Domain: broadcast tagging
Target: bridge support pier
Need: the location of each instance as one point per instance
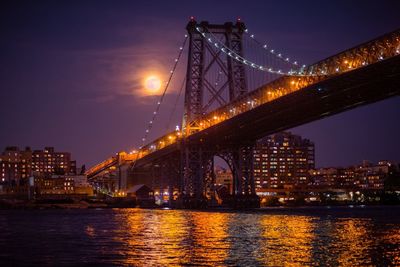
(198, 190)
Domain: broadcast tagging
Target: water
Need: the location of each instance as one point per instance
(134, 237)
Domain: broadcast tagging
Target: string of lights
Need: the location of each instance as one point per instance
(221, 46)
(273, 51)
(167, 83)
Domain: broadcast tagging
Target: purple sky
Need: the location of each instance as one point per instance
(71, 71)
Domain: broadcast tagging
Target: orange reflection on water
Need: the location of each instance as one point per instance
(155, 237)
(353, 242)
(392, 240)
(208, 238)
(287, 240)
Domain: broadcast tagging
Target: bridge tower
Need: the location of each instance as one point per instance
(203, 94)
(201, 60)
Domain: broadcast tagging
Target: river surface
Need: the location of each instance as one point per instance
(346, 236)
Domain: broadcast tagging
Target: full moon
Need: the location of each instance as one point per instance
(153, 84)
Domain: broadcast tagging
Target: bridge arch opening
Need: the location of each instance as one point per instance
(223, 178)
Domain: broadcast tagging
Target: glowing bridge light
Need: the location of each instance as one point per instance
(252, 36)
(265, 46)
(272, 51)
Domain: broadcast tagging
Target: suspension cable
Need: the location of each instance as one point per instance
(176, 103)
(221, 46)
(167, 83)
(273, 51)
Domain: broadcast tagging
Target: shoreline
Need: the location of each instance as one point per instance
(27, 205)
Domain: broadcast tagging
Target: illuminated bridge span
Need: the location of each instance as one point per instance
(223, 118)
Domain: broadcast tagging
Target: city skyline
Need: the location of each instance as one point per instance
(73, 77)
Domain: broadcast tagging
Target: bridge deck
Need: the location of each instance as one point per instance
(358, 76)
(333, 95)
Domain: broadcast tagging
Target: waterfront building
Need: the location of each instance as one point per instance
(16, 165)
(223, 177)
(365, 176)
(62, 184)
(283, 160)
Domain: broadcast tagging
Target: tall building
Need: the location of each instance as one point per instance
(283, 160)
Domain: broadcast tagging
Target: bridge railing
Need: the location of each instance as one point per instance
(102, 165)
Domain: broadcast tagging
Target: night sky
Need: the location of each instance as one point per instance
(71, 71)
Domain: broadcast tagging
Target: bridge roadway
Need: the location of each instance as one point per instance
(339, 93)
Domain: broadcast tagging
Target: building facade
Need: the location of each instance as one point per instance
(283, 160)
(47, 162)
(16, 165)
(366, 176)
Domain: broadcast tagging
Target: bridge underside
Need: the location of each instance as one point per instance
(337, 94)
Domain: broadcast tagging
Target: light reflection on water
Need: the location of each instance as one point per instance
(135, 237)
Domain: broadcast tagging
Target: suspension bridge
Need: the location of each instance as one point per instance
(238, 90)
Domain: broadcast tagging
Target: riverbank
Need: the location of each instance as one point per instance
(82, 204)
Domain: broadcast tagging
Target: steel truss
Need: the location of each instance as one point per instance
(197, 160)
